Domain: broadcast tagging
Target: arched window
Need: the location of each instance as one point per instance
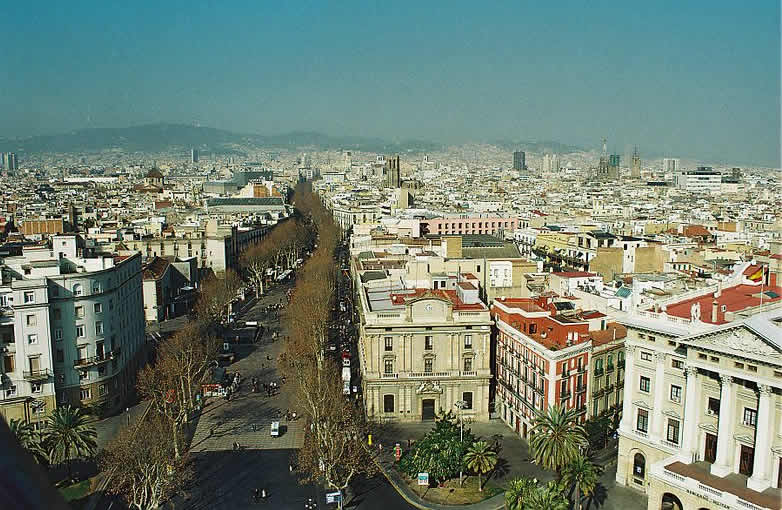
(77, 289)
(639, 465)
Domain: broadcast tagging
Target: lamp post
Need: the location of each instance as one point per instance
(460, 405)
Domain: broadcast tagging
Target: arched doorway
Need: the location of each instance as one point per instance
(639, 468)
(671, 502)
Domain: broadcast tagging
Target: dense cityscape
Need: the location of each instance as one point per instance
(411, 256)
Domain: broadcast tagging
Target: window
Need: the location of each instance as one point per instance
(388, 403)
(96, 288)
(58, 334)
(79, 310)
(651, 338)
(103, 390)
(673, 431)
(676, 393)
(467, 397)
(32, 339)
(643, 420)
(713, 407)
(31, 320)
(80, 331)
(99, 328)
(9, 364)
(29, 297)
(389, 343)
(750, 417)
(388, 367)
(428, 365)
(57, 314)
(428, 344)
(101, 370)
(98, 307)
(645, 385)
(468, 364)
(60, 356)
(646, 356)
(533, 328)
(36, 387)
(677, 363)
(85, 393)
(10, 391)
(78, 290)
(468, 341)
(752, 368)
(714, 359)
(701, 356)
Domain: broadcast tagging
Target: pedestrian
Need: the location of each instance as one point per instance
(290, 468)
(263, 493)
(256, 495)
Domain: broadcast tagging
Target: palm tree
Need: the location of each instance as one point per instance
(518, 492)
(69, 435)
(582, 475)
(549, 497)
(557, 439)
(30, 439)
(481, 459)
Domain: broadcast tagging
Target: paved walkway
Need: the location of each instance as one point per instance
(247, 417)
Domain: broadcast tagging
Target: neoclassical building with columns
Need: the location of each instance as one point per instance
(702, 413)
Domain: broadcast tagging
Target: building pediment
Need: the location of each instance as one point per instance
(737, 341)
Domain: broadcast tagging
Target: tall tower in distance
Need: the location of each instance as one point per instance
(635, 168)
(603, 173)
(519, 161)
(194, 155)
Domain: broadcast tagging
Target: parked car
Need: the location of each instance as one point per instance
(275, 429)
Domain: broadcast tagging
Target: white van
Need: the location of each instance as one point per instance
(275, 429)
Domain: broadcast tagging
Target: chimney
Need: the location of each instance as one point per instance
(714, 306)
(718, 292)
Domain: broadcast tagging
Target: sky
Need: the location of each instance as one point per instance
(694, 79)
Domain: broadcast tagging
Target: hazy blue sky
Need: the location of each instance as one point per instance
(684, 78)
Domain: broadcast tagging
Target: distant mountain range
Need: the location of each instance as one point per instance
(163, 137)
(539, 147)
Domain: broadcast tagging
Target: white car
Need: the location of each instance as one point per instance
(275, 429)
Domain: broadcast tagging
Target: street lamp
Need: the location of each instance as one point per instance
(461, 405)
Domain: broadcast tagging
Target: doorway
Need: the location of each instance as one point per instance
(746, 460)
(427, 409)
(710, 453)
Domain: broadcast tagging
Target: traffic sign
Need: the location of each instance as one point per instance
(423, 479)
(333, 497)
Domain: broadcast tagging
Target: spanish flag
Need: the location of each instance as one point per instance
(757, 275)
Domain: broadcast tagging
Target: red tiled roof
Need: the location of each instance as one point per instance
(735, 299)
(696, 231)
(574, 274)
(592, 314)
(450, 295)
(613, 331)
(155, 269)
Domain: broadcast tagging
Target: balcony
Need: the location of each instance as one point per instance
(429, 375)
(726, 492)
(581, 369)
(96, 360)
(598, 393)
(581, 410)
(609, 369)
(565, 374)
(581, 388)
(389, 375)
(469, 373)
(598, 372)
(37, 375)
(565, 395)
(620, 383)
(620, 363)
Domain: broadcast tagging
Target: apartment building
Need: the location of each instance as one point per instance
(543, 358)
(702, 418)
(72, 330)
(423, 350)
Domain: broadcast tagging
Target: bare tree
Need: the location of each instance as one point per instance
(144, 470)
(215, 297)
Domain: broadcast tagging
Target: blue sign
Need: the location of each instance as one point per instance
(333, 497)
(423, 479)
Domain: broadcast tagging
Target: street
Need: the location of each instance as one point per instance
(226, 478)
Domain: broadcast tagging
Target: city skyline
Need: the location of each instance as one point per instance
(683, 81)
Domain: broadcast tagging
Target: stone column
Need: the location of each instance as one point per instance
(691, 402)
(659, 389)
(723, 465)
(761, 469)
(630, 385)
